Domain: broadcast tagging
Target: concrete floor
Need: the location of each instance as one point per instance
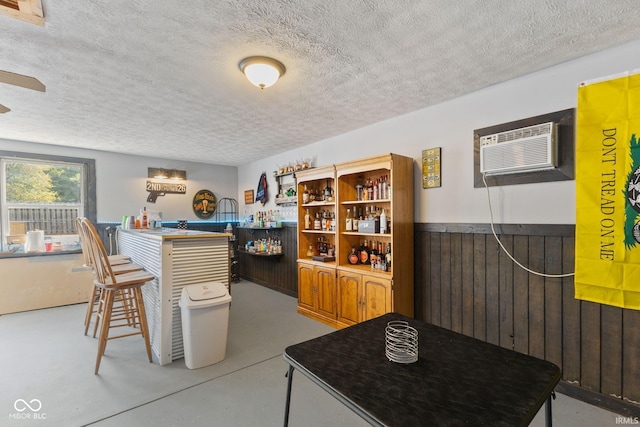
(45, 356)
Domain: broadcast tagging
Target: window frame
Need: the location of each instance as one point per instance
(88, 190)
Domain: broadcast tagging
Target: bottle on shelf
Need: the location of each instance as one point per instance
(355, 220)
(328, 194)
(364, 253)
(305, 195)
(307, 220)
(317, 223)
(373, 255)
(385, 187)
(388, 257)
(349, 221)
(359, 188)
(353, 258)
(383, 222)
(323, 221)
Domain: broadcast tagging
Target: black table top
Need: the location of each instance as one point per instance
(457, 380)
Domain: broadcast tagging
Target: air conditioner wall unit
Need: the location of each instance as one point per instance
(527, 149)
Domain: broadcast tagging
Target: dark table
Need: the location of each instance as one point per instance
(457, 380)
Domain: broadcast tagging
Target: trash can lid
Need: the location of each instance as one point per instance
(206, 291)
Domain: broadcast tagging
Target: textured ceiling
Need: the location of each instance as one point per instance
(161, 78)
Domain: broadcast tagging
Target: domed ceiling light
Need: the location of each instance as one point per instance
(262, 71)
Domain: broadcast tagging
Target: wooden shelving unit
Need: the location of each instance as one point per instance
(341, 294)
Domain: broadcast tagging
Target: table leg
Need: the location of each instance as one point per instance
(286, 408)
(547, 417)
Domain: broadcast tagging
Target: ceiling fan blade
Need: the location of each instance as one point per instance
(22, 81)
(4, 109)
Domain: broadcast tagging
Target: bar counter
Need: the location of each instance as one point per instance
(176, 258)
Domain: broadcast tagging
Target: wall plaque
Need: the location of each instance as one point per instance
(204, 204)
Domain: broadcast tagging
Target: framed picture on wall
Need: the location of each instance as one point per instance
(248, 197)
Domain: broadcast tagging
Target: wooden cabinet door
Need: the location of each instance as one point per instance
(349, 298)
(377, 296)
(325, 279)
(306, 293)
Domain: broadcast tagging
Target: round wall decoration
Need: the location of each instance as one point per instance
(204, 204)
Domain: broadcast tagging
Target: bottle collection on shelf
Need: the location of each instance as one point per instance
(374, 220)
(322, 221)
(265, 219)
(378, 189)
(322, 247)
(378, 257)
(264, 246)
(322, 195)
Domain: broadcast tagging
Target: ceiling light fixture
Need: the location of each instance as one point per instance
(262, 71)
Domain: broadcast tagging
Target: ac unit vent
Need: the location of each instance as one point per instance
(527, 149)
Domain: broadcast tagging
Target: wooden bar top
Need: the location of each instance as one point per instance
(174, 233)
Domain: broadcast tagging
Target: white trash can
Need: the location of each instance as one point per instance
(205, 320)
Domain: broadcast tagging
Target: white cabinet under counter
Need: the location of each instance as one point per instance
(176, 258)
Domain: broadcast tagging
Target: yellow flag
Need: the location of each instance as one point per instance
(608, 192)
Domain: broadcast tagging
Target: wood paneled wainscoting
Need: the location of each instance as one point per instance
(466, 283)
(279, 273)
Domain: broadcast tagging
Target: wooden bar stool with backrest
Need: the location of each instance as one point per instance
(109, 284)
(119, 264)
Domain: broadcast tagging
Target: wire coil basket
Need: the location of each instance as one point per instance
(401, 342)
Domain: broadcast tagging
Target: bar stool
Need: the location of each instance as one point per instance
(120, 264)
(129, 285)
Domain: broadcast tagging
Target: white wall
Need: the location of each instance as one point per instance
(450, 125)
(121, 181)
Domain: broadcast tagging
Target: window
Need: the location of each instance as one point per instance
(41, 197)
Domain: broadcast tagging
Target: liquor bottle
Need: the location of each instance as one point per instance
(317, 224)
(305, 195)
(383, 222)
(352, 258)
(349, 221)
(364, 253)
(328, 197)
(145, 218)
(388, 257)
(307, 220)
(370, 189)
(385, 192)
(329, 222)
(375, 190)
(373, 255)
(323, 223)
(355, 220)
